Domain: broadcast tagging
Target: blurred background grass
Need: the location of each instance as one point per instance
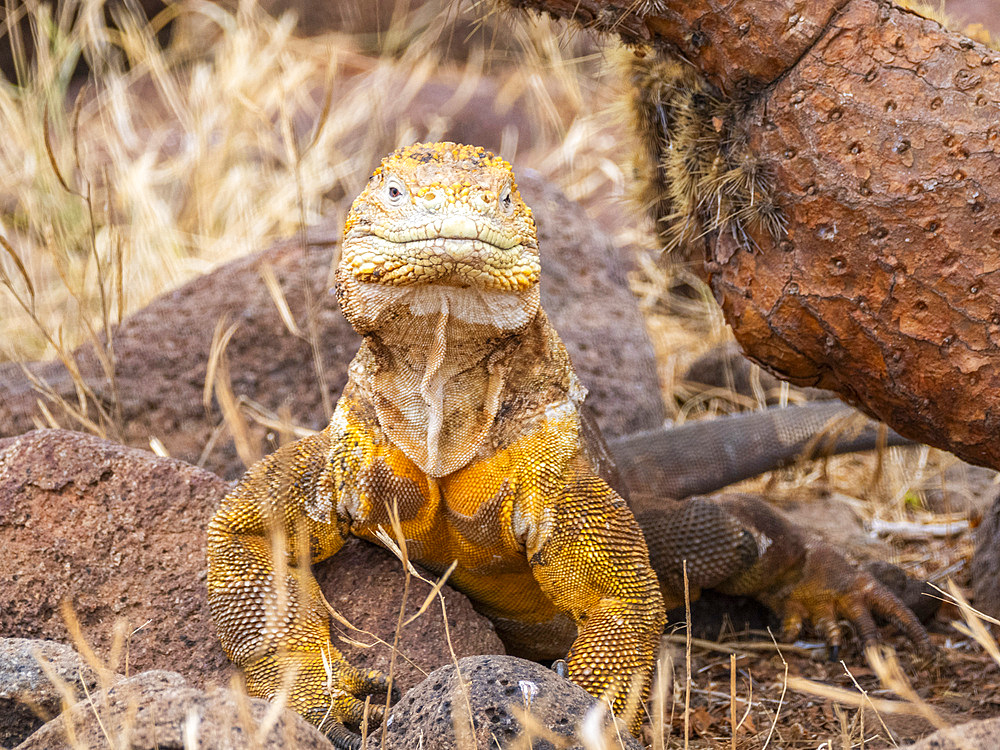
(137, 155)
(162, 162)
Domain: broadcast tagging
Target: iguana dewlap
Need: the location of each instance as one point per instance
(462, 411)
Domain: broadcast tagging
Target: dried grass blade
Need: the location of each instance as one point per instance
(47, 415)
(220, 340)
(47, 138)
(973, 626)
(850, 698)
(20, 269)
(266, 272)
(433, 593)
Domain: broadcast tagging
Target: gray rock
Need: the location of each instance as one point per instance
(975, 734)
(434, 713)
(986, 563)
(28, 696)
(160, 711)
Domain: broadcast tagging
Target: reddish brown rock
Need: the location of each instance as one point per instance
(365, 585)
(120, 533)
(162, 356)
(116, 532)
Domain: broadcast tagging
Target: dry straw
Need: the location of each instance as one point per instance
(165, 163)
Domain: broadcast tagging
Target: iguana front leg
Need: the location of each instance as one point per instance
(267, 606)
(591, 561)
(738, 545)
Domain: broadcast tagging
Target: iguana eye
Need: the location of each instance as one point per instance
(396, 191)
(506, 201)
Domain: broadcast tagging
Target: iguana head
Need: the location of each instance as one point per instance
(442, 214)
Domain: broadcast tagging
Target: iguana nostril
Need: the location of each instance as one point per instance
(432, 200)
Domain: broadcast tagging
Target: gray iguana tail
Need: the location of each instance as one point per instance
(704, 456)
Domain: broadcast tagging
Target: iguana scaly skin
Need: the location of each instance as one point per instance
(462, 412)
(463, 415)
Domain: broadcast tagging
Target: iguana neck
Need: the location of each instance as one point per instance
(435, 365)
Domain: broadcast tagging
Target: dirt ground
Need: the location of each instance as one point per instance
(573, 137)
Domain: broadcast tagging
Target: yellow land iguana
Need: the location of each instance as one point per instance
(463, 411)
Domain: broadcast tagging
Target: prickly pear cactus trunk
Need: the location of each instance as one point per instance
(875, 136)
(884, 147)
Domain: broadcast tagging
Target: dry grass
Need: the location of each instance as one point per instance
(169, 162)
(165, 164)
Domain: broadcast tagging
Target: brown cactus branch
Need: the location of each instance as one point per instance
(879, 133)
(736, 44)
(884, 143)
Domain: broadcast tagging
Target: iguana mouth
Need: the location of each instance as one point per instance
(455, 227)
(426, 254)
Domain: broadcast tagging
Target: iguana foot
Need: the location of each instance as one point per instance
(828, 588)
(326, 690)
(737, 544)
(348, 691)
(804, 580)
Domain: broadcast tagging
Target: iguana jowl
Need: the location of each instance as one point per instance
(462, 411)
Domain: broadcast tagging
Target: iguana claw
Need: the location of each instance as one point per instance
(349, 701)
(825, 588)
